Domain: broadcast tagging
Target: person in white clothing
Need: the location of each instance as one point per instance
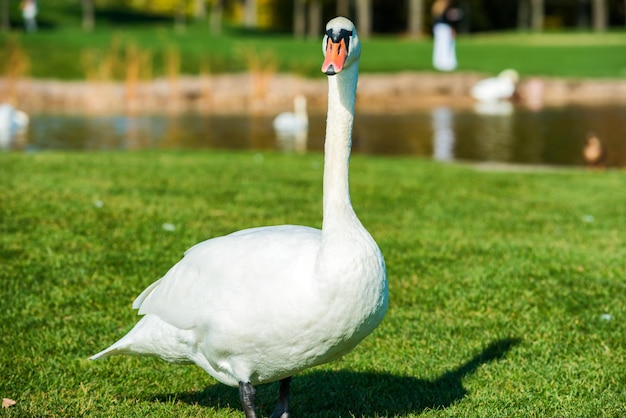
(29, 13)
(445, 16)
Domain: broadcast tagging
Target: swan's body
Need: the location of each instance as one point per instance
(497, 88)
(262, 304)
(291, 123)
(12, 122)
(262, 313)
(292, 128)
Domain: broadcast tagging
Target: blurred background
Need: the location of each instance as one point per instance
(307, 16)
(139, 74)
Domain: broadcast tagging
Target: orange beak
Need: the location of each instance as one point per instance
(336, 54)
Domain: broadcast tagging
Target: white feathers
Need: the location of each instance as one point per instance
(12, 122)
(497, 88)
(292, 123)
(292, 128)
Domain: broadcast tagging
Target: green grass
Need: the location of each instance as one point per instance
(498, 283)
(57, 53)
(58, 49)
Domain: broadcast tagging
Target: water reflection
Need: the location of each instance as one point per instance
(496, 108)
(495, 130)
(443, 134)
(506, 134)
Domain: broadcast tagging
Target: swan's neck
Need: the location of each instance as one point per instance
(341, 97)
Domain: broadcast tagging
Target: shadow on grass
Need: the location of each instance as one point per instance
(346, 393)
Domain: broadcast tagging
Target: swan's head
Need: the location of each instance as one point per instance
(509, 74)
(340, 46)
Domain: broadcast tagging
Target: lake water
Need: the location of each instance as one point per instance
(552, 136)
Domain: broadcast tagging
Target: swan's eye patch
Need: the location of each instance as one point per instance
(337, 37)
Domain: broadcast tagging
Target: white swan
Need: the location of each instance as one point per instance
(292, 128)
(497, 88)
(290, 123)
(262, 304)
(12, 122)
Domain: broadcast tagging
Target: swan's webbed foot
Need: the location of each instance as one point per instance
(282, 406)
(247, 392)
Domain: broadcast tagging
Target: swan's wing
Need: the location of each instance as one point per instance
(235, 273)
(139, 300)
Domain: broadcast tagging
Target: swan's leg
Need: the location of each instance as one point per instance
(246, 394)
(282, 407)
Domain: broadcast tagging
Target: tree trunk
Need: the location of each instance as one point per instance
(523, 15)
(364, 17)
(537, 15)
(199, 9)
(89, 20)
(250, 14)
(343, 8)
(599, 15)
(315, 18)
(299, 18)
(215, 23)
(415, 23)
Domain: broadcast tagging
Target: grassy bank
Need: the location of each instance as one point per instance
(129, 41)
(66, 52)
(507, 289)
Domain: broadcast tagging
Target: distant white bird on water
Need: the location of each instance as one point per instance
(290, 123)
(292, 128)
(262, 304)
(497, 88)
(12, 122)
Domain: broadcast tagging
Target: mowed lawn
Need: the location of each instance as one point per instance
(507, 288)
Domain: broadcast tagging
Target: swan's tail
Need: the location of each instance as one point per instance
(152, 337)
(116, 348)
(126, 345)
